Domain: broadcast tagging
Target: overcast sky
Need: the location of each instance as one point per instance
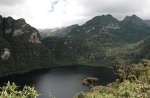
(57, 13)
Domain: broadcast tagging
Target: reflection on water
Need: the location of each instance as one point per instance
(62, 82)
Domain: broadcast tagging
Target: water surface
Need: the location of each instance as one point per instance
(62, 82)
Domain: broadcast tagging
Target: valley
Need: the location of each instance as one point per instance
(101, 41)
(48, 59)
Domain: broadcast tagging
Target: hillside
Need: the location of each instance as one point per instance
(102, 40)
(21, 48)
(143, 48)
(132, 29)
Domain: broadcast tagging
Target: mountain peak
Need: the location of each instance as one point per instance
(10, 28)
(104, 20)
(108, 16)
(21, 21)
(9, 18)
(1, 17)
(133, 19)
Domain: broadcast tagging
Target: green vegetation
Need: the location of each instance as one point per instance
(128, 88)
(11, 91)
(139, 88)
(25, 56)
(125, 89)
(103, 41)
(23, 46)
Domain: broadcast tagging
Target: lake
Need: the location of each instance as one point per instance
(62, 82)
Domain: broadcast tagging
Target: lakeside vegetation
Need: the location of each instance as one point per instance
(138, 88)
(125, 86)
(101, 41)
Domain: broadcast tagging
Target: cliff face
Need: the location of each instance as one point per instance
(10, 28)
(20, 47)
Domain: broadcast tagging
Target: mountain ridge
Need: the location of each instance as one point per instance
(101, 41)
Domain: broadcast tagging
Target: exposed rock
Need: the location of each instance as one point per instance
(5, 54)
(23, 25)
(113, 26)
(17, 53)
(34, 38)
(10, 28)
(17, 32)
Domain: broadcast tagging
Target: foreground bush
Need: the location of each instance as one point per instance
(126, 89)
(11, 91)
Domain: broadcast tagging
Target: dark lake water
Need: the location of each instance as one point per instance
(62, 82)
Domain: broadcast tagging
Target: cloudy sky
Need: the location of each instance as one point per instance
(58, 13)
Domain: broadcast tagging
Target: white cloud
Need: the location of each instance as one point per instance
(11, 2)
(56, 13)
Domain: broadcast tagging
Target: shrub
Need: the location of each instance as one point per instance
(11, 91)
(126, 89)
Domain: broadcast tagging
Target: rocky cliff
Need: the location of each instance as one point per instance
(10, 28)
(20, 47)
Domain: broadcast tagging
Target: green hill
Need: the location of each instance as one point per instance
(143, 48)
(102, 40)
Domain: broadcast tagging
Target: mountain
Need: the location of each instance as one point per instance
(21, 48)
(132, 29)
(103, 40)
(86, 44)
(133, 19)
(142, 49)
(47, 32)
(59, 32)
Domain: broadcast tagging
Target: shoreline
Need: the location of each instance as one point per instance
(19, 72)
